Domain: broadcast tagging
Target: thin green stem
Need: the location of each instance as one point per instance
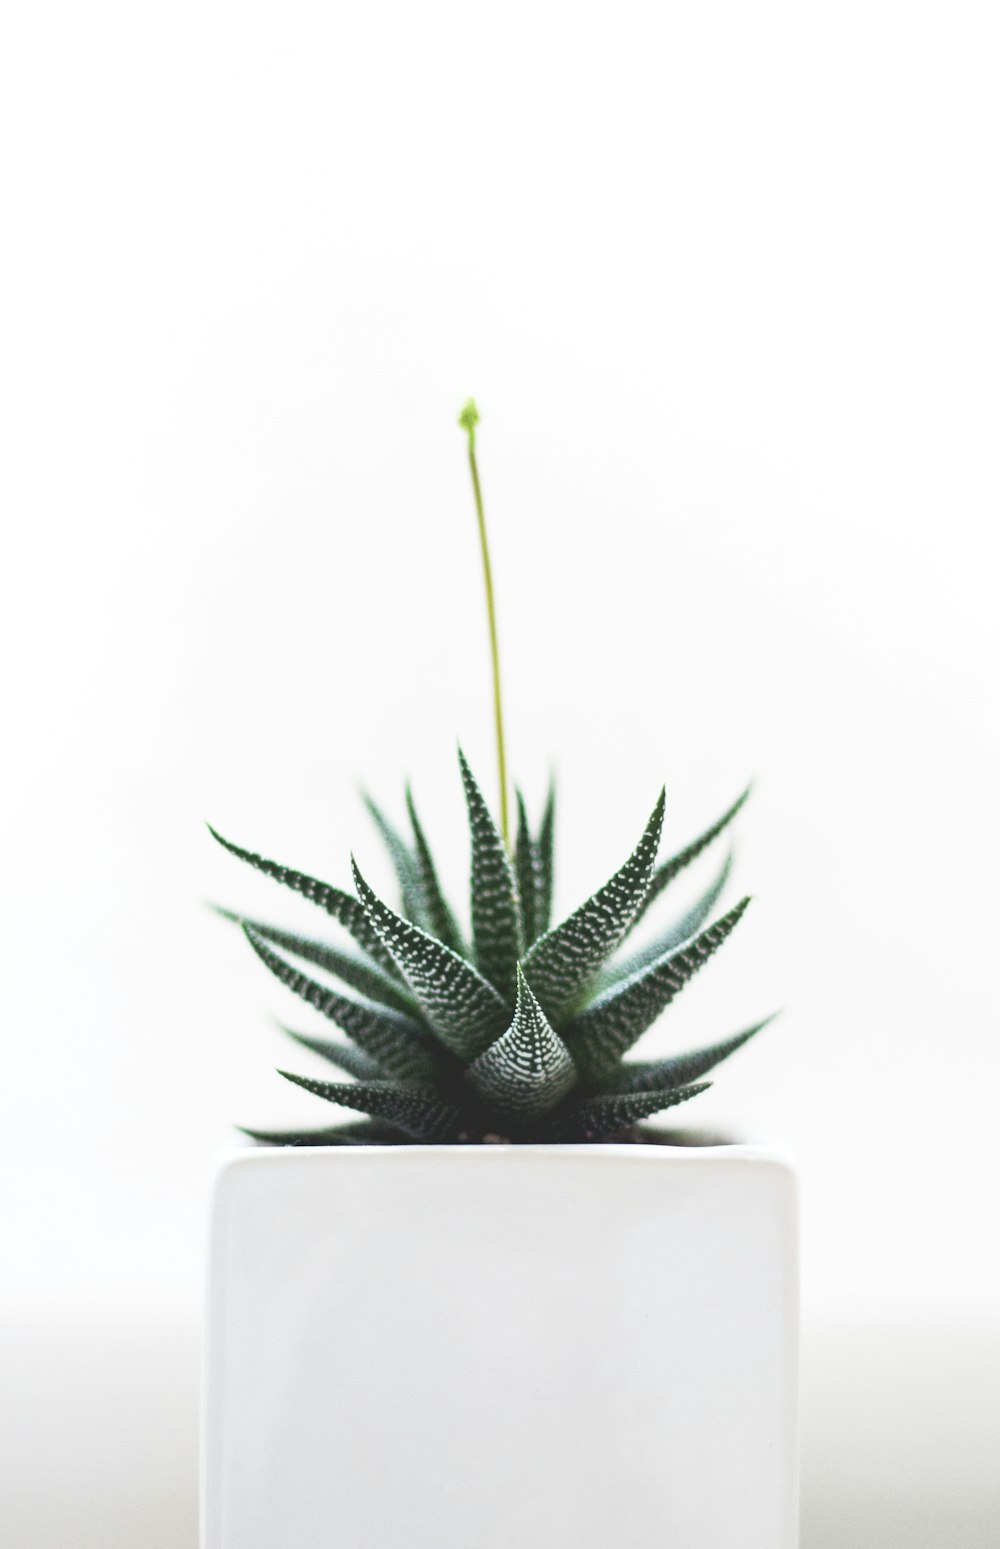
(469, 419)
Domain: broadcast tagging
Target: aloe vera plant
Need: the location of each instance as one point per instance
(521, 1031)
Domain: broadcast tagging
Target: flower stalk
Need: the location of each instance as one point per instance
(469, 419)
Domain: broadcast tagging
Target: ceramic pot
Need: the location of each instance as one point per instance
(502, 1347)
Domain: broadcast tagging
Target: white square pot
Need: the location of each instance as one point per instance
(502, 1347)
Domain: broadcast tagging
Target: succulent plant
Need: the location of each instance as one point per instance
(520, 1033)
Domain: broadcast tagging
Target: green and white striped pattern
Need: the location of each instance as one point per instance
(517, 1031)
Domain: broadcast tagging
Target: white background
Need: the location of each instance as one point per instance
(724, 281)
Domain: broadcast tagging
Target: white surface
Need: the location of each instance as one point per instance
(98, 1428)
(724, 280)
(473, 1347)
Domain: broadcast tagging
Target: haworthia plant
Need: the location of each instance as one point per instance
(518, 1033)
(518, 1030)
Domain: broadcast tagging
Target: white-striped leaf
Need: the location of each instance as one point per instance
(366, 1134)
(462, 1007)
(566, 960)
(611, 1024)
(528, 1070)
(496, 911)
(669, 869)
(420, 1111)
(546, 860)
(530, 882)
(599, 1118)
(396, 1042)
(441, 921)
(678, 1069)
(404, 864)
(341, 906)
(361, 973)
(351, 1060)
(674, 936)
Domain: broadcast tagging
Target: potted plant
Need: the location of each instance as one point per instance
(497, 1311)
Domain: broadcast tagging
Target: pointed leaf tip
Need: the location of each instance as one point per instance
(421, 1111)
(598, 1118)
(682, 929)
(441, 921)
(341, 1135)
(394, 1040)
(545, 845)
(347, 911)
(496, 910)
(618, 1017)
(404, 863)
(670, 868)
(353, 1061)
(461, 1006)
(527, 865)
(528, 1070)
(678, 1069)
(360, 972)
(565, 961)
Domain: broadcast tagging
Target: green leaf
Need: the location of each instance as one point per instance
(528, 1070)
(373, 1134)
(669, 869)
(461, 1006)
(613, 1022)
(360, 973)
(677, 1069)
(397, 1043)
(403, 861)
(341, 906)
(353, 1061)
(674, 936)
(422, 1112)
(598, 1118)
(528, 866)
(441, 921)
(496, 911)
(546, 860)
(564, 962)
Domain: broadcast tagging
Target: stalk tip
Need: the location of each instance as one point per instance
(469, 419)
